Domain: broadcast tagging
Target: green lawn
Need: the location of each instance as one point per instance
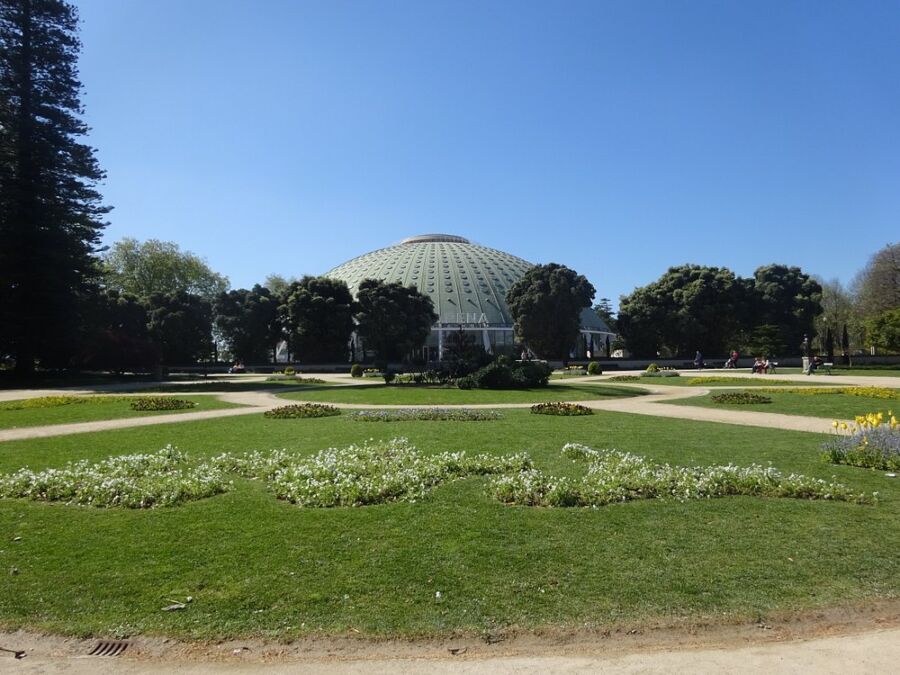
(380, 394)
(839, 406)
(258, 566)
(94, 410)
(214, 385)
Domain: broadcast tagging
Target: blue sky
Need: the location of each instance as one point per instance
(618, 138)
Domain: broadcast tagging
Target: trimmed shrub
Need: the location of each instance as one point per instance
(561, 409)
(660, 373)
(594, 368)
(505, 374)
(302, 411)
(356, 370)
(152, 403)
(299, 379)
(625, 378)
(740, 398)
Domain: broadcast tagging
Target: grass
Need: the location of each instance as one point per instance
(380, 394)
(213, 385)
(258, 566)
(115, 408)
(832, 406)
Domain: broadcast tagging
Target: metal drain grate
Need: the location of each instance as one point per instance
(109, 648)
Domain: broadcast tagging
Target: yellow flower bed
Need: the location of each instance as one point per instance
(711, 379)
(864, 392)
(871, 420)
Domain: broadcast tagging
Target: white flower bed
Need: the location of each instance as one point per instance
(375, 472)
(132, 481)
(378, 472)
(615, 476)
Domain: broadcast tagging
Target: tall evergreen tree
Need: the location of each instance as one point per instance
(51, 214)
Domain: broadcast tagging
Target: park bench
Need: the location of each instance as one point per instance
(826, 365)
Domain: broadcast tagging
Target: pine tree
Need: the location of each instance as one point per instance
(51, 214)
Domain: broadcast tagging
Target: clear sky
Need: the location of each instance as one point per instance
(618, 138)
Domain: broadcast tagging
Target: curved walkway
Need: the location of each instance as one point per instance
(654, 404)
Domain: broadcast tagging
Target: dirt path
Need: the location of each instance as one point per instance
(835, 641)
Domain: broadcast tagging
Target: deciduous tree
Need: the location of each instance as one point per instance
(153, 266)
(883, 330)
(877, 286)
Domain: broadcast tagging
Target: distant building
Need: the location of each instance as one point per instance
(467, 284)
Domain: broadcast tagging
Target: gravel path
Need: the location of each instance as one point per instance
(654, 404)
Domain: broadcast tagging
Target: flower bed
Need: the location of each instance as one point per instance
(153, 403)
(302, 411)
(863, 392)
(872, 443)
(45, 402)
(615, 476)
(560, 408)
(295, 378)
(376, 472)
(426, 414)
(725, 379)
(133, 481)
(740, 398)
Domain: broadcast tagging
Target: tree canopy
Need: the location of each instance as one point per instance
(180, 324)
(317, 314)
(884, 330)
(248, 323)
(393, 319)
(51, 214)
(546, 305)
(689, 308)
(711, 309)
(877, 286)
(784, 296)
(153, 266)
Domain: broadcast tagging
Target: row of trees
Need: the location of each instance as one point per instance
(141, 326)
(693, 307)
(867, 312)
(779, 310)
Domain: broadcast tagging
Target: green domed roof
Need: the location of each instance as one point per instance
(466, 282)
